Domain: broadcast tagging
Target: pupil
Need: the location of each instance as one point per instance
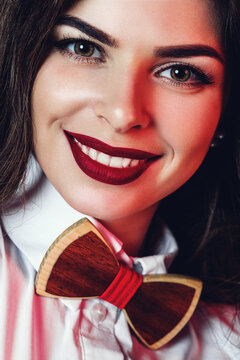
(180, 73)
(84, 48)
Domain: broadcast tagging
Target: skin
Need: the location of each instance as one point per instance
(129, 101)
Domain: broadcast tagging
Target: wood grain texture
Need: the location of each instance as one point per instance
(71, 268)
(79, 273)
(166, 303)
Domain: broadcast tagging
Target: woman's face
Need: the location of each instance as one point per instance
(126, 104)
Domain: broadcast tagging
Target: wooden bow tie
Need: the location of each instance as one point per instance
(80, 264)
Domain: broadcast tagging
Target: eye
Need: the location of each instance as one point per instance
(184, 75)
(81, 50)
(180, 73)
(84, 48)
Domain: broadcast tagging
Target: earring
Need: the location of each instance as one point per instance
(217, 140)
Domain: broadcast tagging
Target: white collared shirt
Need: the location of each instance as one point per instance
(39, 328)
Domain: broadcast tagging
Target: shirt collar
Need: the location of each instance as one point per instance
(34, 225)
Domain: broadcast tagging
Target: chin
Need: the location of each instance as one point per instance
(104, 205)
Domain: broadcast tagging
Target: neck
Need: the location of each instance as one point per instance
(132, 230)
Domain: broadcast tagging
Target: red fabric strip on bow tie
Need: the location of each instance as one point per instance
(123, 287)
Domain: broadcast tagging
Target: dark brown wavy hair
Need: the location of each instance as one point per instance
(204, 213)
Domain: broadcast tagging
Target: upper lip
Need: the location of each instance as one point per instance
(111, 150)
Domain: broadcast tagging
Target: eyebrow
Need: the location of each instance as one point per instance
(186, 51)
(179, 51)
(88, 30)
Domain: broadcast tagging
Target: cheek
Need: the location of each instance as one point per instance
(60, 91)
(187, 122)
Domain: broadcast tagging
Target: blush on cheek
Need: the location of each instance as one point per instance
(61, 90)
(188, 120)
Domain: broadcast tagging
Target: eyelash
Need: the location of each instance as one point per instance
(63, 47)
(202, 78)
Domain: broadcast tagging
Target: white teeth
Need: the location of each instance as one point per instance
(102, 158)
(93, 154)
(116, 162)
(134, 162)
(79, 144)
(84, 149)
(126, 162)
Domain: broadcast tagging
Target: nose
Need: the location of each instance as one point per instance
(123, 99)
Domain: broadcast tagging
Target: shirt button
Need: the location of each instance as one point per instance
(98, 313)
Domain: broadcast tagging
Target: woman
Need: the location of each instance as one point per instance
(120, 102)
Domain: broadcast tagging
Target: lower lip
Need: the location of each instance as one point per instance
(106, 174)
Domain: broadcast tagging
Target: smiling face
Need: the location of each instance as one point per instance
(126, 104)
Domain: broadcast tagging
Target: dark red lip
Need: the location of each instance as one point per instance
(110, 150)
(103, 173)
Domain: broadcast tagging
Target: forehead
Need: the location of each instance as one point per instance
(169, 21)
